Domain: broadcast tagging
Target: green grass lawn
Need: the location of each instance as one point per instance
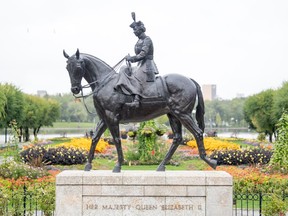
(106, 164)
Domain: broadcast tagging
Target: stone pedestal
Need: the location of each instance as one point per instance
(175, 193)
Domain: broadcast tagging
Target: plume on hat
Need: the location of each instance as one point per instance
(136, 24)
(133, 16)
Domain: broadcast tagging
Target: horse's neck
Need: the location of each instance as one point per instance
(97, 71)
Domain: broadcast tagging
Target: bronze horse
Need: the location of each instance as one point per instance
(179, 96)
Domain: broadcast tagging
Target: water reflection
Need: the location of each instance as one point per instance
(239, 133)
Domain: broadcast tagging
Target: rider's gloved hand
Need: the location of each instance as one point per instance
(130, 58)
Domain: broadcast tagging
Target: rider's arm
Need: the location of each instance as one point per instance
(145, 49)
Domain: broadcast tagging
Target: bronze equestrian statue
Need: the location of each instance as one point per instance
(173, 94)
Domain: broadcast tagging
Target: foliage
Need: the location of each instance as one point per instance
(132, 133)
(38, 155)
(249, 156)
(212, 144)
(38, 112)
(12, 169)
(280, 101)
(133, 157)
(41, 190)
(261, 137)
(253, 179)
(275, 205)
(258, 111)
(280, 155)
(220, 112)
(147, 141)
(45, 194)
(3, 102)
(12, 148)
(85, 143)
(13, 104)
(147, 150)
(72, 110)
(27, 110)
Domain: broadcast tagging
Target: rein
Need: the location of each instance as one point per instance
(104, 81)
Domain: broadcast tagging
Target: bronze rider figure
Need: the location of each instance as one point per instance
(144, 51)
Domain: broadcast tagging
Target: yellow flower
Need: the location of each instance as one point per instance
(84, 144)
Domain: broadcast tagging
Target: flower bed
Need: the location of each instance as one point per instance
(212, 144)
(19, 191)
(256, 179)
(85, 143)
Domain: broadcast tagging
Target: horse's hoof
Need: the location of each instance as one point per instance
(88, 167)
(161, 168)
(211, 162)
(117, 169)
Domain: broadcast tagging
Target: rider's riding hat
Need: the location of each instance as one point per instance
(136, 25)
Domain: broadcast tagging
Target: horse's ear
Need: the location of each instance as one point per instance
(77, 54)
(65, 54)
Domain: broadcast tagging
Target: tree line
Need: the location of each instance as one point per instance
(22, 112)
(260, 112)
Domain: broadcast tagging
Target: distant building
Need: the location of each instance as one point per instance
(209, 92)
(42, 93)
(240, 95)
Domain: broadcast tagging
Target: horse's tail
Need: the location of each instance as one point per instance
(200, 109)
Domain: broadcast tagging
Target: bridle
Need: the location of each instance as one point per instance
(103, 82)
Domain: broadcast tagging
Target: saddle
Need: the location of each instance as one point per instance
(153, 90)
(148, 91)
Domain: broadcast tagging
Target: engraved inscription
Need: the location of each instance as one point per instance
(144, 207)
(160, 206)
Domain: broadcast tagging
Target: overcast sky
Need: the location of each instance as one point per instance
(241, 46)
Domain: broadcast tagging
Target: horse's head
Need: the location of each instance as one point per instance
(75, 67)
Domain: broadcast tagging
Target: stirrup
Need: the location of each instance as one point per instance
(135, 103)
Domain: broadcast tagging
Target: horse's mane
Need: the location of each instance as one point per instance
(93, 59)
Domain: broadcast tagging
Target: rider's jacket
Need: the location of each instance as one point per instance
(144, 56)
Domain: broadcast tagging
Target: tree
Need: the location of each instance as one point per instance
(3, 102)
(13, 106)
(279, 158)
(49, 112)
(31, 111)
(280, 101)
(72, 110)
(224, 110)
(39, 112)
(258, 112)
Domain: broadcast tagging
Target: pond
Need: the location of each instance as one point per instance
(47, 133)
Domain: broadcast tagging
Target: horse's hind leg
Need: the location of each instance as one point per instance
(189, 123)
(114, 130)
(177, 139)
(100, 128)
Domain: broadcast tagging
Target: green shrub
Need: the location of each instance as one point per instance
(16, 170)
(253, 183)
(261, 137)
(40, 195)
(155, 156)
(275, 206)
(279, 159)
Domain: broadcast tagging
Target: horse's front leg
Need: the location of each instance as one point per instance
(100, 128)
(114, 130)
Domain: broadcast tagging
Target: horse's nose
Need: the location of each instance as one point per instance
(75, 90)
